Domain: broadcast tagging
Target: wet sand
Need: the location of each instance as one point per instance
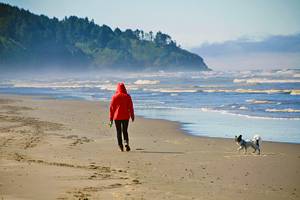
(60, 149)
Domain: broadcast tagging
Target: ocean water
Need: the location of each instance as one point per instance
(214, 104)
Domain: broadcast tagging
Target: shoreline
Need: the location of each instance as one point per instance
(181, 128)
(61, 149)
(187, 133)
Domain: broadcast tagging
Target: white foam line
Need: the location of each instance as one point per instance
(288, 110)
(219, 111)
(257, 80)
(246, 116)
(146, 82)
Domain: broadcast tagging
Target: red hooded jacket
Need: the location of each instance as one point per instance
(121, 106)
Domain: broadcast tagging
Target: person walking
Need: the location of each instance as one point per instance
(121, 110)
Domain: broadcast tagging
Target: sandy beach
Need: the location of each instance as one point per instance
(64, 149)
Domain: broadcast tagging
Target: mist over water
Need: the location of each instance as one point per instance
(214, 103)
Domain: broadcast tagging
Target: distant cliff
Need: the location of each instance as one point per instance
(29, 41)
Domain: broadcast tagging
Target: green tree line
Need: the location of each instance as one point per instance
(27, 40)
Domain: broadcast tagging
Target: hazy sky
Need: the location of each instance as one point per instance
(189, 22)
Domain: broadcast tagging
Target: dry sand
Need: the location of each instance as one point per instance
(54, 149)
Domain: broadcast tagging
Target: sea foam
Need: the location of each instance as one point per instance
(146, 82)
(288, 110)
(254, 101)
(225, 112)
(257, 80)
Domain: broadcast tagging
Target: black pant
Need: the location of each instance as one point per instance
(122, 126)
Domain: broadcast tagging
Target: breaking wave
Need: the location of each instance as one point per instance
(171, 90)
(146, 82)
(257, 80)
(225, 112)
(254, 101)
(271, 91)
(295, 92)
(287, 110)
(249, 91)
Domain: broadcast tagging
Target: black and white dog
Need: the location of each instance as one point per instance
(244, 144)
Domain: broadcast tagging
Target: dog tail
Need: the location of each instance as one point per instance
(257, 139)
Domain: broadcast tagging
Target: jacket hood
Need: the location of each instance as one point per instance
(121, 88)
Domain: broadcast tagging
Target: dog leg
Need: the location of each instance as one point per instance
(239, 149)
(255, 148)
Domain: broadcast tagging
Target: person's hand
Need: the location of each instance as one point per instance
(132, 119)
(110, 123)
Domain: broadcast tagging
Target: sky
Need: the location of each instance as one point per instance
(190, 22)
(204, 27)
(272, 52)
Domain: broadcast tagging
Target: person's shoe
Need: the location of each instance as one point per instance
(127, 147)
(121, 147)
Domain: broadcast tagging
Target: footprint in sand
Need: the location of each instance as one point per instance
(136, 181)
(77, 140)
